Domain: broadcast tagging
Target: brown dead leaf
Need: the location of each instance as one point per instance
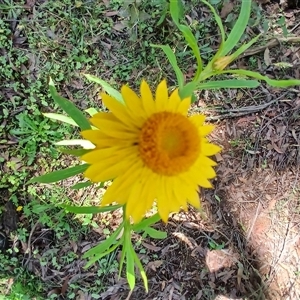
(29, 4)
(219, 157)
(217, 259)
(153, 265)
(151, 247)
(119, 26)
(276, 148)
(111, 13)
(226, 9)
(267, 58)
(240, 274)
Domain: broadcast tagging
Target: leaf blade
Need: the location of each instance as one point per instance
(106, 86)
(59, 175)
(230, 83)
(69, 108)
(238, 29)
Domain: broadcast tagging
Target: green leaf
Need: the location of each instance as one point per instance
(69, 108)
(83, 143)
(146, 222)
(91, 111)
(103, 246)
(82, 185)
(130, 266)
(192, 42)
(187, 33)
(188, 90)
(122, 259)
(75, 152)
(217, 19)
(230, 84)
(59, 175)
(106, 86)
(271, 82)
(98, 256)
(60, 117)
(142, 271)
(244, 47)
(155, 234)
(173, 61)
(238, 29)
(89, 209)
(176, 10)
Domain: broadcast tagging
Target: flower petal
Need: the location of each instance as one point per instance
(115, 129)
(184, 106)
(209, 149)
(174, 101)
(161, 96)
(118, 109)
(206, 129)
(120, 188)
(147, 99)
(134, 104)
(198, 120)
(108, 169)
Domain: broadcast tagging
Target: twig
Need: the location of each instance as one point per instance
(129, 295)
(273, 43)
(237, 112)
(29, 243)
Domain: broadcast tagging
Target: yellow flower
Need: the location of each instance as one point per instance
(152, 150)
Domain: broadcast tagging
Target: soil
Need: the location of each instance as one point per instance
(245, 242)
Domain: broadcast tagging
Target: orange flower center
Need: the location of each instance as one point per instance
(169, 143)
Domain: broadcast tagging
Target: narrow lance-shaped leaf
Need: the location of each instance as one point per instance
(230, 83)
(187, 33)
(272, 82)
(104, 245)
(83, 143)
(89, 209)
(75, 152)
(238, 29)
(69, 108)
(173, 61)
(146, 222)
(188, 90)
(176, 10)
(192, 42)
(106, 86)
(142, 271)
(217, 19)
(155, 234)
(99, 255)
(60, 117)
(91, 111)
(130, 274)
(82, 185)
(59, 175)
